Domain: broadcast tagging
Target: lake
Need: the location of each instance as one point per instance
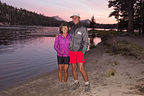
(26, 57)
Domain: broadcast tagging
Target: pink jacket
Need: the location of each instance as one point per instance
(62, 45)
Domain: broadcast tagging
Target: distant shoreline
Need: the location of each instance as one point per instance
(26, 26)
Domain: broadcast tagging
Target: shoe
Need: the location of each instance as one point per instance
(75, 86)
(61, 86)
(87, 87)
(66, 86)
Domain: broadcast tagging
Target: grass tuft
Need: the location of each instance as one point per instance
(103, 33)
(111, 72)
(125, 48)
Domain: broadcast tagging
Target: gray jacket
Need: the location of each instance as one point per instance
(79, 38)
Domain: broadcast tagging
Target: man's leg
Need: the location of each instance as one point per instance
(81, 61)
(75, 76)
(83, 72)
(73, 60)
(74, 66)
(85, 76)
(74, 71)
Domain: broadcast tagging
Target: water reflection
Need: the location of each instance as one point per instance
(93, 40)
(11, 47)
(26, 58)
(96, 40)
(9, 34)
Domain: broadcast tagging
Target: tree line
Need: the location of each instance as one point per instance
(13, 16)
(94, 24)
(10, 15)
(129, 14)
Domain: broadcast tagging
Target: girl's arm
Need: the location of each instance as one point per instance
(56, 45)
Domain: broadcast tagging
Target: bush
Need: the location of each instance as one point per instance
(125, 48)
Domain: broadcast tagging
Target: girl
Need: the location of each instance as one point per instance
(62, 46)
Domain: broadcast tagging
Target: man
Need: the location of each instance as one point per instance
(78, 47)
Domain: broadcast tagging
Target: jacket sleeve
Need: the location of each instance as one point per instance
(56, 45)
(85, 40)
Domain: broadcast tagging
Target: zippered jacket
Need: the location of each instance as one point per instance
(62, 45)
(79, 38)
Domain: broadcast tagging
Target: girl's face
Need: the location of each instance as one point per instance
(64, 29)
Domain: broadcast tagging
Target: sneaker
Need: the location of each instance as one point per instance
(66, 86)
(87, 87)
(61, 86)
(75, 86)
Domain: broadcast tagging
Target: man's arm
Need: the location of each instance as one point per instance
(85, 40)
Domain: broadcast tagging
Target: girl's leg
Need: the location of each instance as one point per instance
(66, 72)
(60, 69)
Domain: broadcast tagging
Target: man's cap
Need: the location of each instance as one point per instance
(75, 14)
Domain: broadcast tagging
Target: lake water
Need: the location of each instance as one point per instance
(25, 58)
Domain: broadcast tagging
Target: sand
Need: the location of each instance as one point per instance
(128, 79)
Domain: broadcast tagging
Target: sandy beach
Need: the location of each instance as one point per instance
(109, 75)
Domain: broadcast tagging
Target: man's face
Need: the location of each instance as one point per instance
(75, 19)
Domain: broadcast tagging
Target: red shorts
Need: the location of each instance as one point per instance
(76, 57)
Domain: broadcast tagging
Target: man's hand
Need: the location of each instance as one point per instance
(56, 35)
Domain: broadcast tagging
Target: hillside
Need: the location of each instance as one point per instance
(10, 15)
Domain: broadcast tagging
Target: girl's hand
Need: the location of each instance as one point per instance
(61, 52)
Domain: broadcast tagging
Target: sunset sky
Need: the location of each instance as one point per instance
(65, 8)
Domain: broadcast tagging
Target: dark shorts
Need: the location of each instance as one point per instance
(63, 60)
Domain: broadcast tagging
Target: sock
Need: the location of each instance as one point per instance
(76, 81)
(60, 83)
(86, 83)
(65, 82)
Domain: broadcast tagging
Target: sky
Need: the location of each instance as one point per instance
(65, 8)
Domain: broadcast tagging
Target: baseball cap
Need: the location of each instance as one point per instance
(75, 14)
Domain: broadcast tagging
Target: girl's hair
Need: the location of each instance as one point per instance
(63, 24)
